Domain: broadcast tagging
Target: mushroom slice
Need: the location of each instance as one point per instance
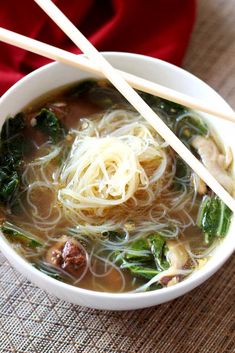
(213, 160)
(176, 255)
(178, 258)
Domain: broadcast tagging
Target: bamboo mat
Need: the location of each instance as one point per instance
(202, 321)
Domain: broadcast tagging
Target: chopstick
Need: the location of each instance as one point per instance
(136, 82)
(134, 99)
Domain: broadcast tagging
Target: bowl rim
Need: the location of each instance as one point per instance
(178, 289)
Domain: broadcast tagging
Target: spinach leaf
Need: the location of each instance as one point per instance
(105, 97)
(12, 148)
(214, 218)
(162, 105)
(12, 126)
(136, 250)
(182, 175)
(177, 117)
(188, 126)
(141, 271)
(50, 125)
(12, 141)
(102, 95)
(48, 270)
(16, 233)
(182, 170)
(83, 87)
(53, 271)
(159, 249)
(9, 182)
(144, 257)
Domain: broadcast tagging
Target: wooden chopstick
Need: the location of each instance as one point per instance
(119, 82)
(136, 82)
(137, 102)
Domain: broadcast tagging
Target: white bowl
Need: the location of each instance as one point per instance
(55, 75)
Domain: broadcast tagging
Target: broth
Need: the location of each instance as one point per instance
(102, 202)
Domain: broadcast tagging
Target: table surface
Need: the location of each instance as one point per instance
(201, 321)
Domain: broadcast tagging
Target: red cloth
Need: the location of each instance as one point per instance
(159, 28)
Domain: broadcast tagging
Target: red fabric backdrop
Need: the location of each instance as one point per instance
(159, 28)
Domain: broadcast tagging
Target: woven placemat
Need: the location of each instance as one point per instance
(199, 322)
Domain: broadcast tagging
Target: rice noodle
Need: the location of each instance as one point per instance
(99, 173)
(118, 169)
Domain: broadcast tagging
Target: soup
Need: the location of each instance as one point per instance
(92, 196)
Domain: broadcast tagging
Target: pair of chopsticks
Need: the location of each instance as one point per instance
(96, 63)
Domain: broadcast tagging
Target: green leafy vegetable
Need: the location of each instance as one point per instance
(159, 249)
(139, 250)
(83, 87)
(49, 124)
(49, 270)
(182, 175)
(16, 233)
(184, 123)
(11, 157)
(182, 170)
(102, 95)
(105, 97)
(9, 181)
(53, 271)
(188, 126)
(214, 218)
(141, 271)
(12, 126)
(144, 257)
(162, 105)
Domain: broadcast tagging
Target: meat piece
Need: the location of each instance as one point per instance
(68, 254)
(215, 162)
(73, 257)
